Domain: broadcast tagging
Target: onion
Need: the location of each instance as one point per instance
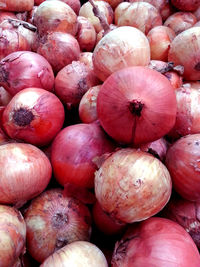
(38, 2)
(23, 69)
(182, 161)
(156, 242)
(87, 105)
(55, 16)
(60, 49)
(113, 3)
(73, 81)
(186, 5)
(13, 235)
(141, 15)
(174, 78)
(78, 253)
(197, 13)
(137, 111)
(5, 97)
(197, 24)
(74, 4)
(160, 38)
(132, 185)
(25, 172)
(122, 47)
(3, 137)
(34, 115)
(180, 21)
(73, 152)
(6, 15)
(102, 33)
(185, 51)
(86, 34)
(16, 6)
(53, 221)
(86, 58)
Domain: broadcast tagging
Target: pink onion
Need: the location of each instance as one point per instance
(5, 97)
(16, 6)
(186, 5)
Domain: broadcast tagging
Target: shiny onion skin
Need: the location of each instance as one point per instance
(137, 111)
(34, 116)
(53, 221)
(16, 6)
(73, 152)
(132, 185)
(25, 172)
(12, 235)
(55, 16)
(77, 253)
(182, 161)
(185, 51)
(59, 49)
(186, 5)
(23, 69)
(156, 242)
(122, 47)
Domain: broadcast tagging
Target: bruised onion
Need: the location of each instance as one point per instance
(23, 69)
(134, 109)
(25, 172)
(34, 115)
(132, 185)
(16, 6)
(53, 221)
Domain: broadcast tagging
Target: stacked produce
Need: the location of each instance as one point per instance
(99, 133)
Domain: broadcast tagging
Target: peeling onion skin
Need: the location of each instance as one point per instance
(126, 180)
(186, 5)
(53, 221)
(156, 242)
(185, 51)
(12, 235)
(16, 6)
(78, 253)
(182, 161)
(122, 47)
(27, 178)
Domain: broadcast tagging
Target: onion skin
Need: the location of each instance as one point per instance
(6, 15)
(156, 242)
(12, 235)
(78, 253)
(34, 116)
(74, 4)
(73, 150)
(54, 221)
(132, 185)
(25, 172)
(16, 6)
(186, 5)
(175, 79)
(16, 72)
(182, 161)
(5, 97)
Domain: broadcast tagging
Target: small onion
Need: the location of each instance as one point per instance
(16, 6)
(78, 253)
(186, 5)
(54, 220)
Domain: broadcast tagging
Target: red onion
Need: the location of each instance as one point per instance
(180, 21)
(132, 185)
(141, 15)
(137, 111)
(185, 51)
(86, 58)
(182, 161)
(55, 16)
(122, 47)
(175, 79)
(59, 48)
(13, 235)
(16, 6)
(25, 172)
(160, 38)
(73, 81)
(186, 5)
(6, 15)
(74, 4)
(156, 242)
(113, 3)
(73, 152)
(38, 2)
(5, 97)
(197, 13)
(78, 253)
(102, 33)
(3, 137)
(34, 115)
(88, 105)
(23, 69)
(53, 221)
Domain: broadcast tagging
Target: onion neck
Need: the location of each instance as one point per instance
(135, 107)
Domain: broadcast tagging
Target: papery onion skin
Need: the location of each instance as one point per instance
(16, 6)
(156, 242)
(17, 73)
(73, 150)
(34, 116)
(182, 161)
(132, 185)
(12, 235)
(186, 5)
(122, 47)
(78, 253)
(137, 111)
(53, 221)
(25, 172)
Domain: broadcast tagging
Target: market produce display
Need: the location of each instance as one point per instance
(99, 133)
